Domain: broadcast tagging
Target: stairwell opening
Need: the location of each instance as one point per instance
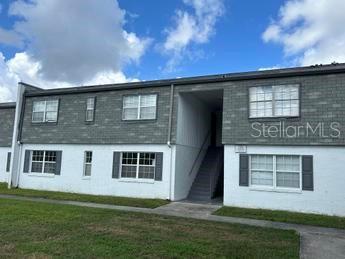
(199, 150)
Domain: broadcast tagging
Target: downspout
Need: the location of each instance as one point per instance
(20, 127)
(170, 113)
(19, 138)
(169, 138)
(18, 164)
(16, 144)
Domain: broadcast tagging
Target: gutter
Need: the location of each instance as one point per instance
(170, 113)
(11, 105)
(169, 139)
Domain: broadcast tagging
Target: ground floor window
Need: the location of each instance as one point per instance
(87, 163)
(275, 171)
(138, 165)
(43, 161)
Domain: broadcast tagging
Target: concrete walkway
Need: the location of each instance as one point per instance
(316, 242)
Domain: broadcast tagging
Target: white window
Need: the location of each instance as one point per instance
(45, 111)
(138, 165)
(139, 107)
(274, 101)
(281, 171)
(262, 170)
(288, 171)
(90, 109)
(43, 162)
(87, 163)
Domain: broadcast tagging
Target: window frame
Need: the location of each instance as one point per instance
(274, 187)
(138, 165)
(87, 163)
(44, 162)
(274, 100)
(138, 118)
(93, 109)
(44, 121)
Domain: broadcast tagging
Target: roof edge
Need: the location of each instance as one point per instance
(251, 75)
(8, 105)
(31, 87)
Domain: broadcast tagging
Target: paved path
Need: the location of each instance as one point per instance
(316, 242)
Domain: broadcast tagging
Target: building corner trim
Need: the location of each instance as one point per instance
(13, 178)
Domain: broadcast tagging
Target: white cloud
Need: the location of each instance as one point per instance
(110, 77)
(268, 68)
(5, 94)
(68, 43)
(194, 27)
(23, 68)
(310, 31)
(75, 40)
(8, 81)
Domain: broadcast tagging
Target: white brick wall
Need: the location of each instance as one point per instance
(101, 181)
(3, 162)
(328, 196)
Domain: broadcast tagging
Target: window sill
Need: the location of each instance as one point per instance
(86, 178)
(274, 118)
(280, 190)
(50, 123)
(139, 120)
(129, 180)
(41, 175)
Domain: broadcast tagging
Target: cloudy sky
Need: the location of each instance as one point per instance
(62, 43)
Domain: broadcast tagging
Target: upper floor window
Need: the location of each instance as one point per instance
(139, 107)
(274, 101)
(90, 109)
(45, 111)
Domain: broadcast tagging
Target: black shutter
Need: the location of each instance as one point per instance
(244, 170)
(116, 165)
(27, 161)
(58, 162)
(307, 173)
(8, 164)
(159, 167)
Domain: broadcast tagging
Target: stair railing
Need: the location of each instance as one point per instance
(214, 177)
(200, 151)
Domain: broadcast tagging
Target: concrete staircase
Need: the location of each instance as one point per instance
(205, 182)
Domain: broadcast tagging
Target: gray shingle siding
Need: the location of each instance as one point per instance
(322, 100)
(6, 126)
(108, 127)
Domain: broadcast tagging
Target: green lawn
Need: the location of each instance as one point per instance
(123, 201)
(40, 230)
(283, 216)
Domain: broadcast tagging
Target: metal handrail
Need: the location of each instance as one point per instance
(201, 148)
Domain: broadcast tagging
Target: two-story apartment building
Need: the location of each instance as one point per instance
(265, 139)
